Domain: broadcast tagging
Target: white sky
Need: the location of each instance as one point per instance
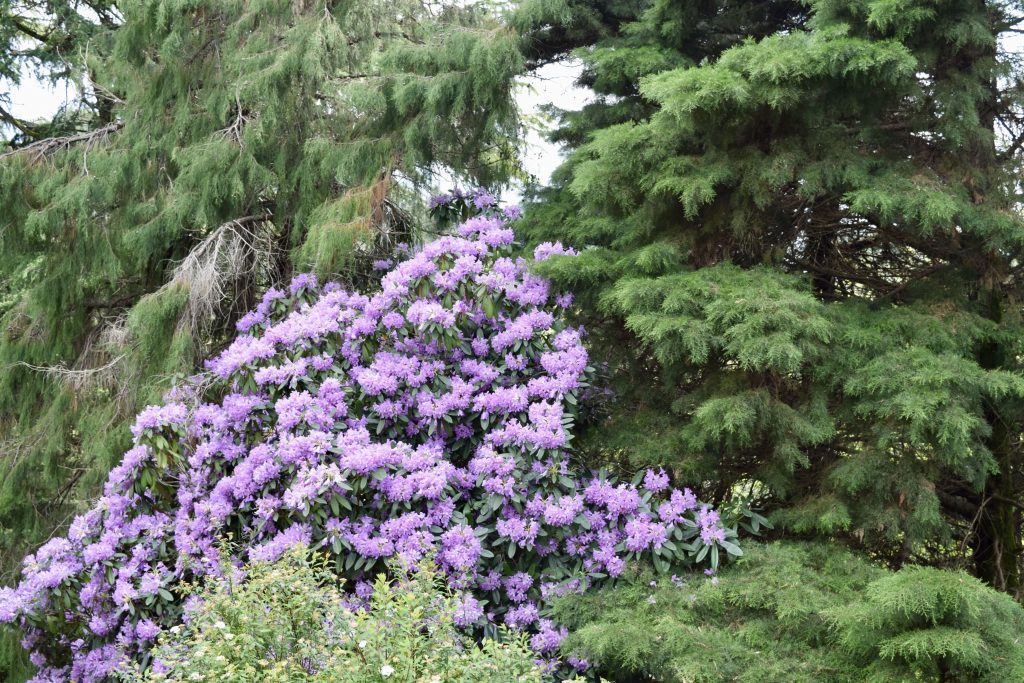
(34, 99)
(551, 84)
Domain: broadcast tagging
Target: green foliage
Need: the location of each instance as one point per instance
(800, 612)
(691, 316)
(926, 624)
(799, 238)
(289, 621)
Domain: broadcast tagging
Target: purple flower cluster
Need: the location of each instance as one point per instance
(431, 418)
(546, 250)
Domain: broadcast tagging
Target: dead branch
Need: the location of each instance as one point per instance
(72, 375)
(44, 149)
(220, 275)
(224, 270)
(234, 131)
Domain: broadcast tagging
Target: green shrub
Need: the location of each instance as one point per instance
(289, 621)
(799, 613)
(923, 624)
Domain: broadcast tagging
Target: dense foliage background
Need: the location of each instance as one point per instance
(797, 238)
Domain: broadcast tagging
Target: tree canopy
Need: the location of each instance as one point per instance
(800, 240)
(217, 148)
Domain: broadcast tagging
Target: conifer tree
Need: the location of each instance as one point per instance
(801, 245)
(230, 144)
(800, 612)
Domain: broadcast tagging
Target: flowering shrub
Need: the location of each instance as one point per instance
(288, 621)
(432, 417)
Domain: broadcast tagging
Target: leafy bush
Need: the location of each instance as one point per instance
(926, 624)
(430, 418)
(288, 621)
(800, 613)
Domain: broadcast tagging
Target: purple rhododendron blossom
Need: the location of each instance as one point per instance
(656, 481)
(431, 418)
(546, 250)
(469, 611)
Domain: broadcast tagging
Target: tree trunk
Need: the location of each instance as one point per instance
(997, 543)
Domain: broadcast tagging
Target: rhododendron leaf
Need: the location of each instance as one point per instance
(702, 553)
(731, 548)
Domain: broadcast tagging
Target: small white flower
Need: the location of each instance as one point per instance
(362, 644)
(651, 600)
(220, 624)
(385, 670)
(175, 630)
(229, 636)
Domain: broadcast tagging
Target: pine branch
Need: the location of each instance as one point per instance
(106, 12)
(28, 30)
(13, 120)
(1015, 146)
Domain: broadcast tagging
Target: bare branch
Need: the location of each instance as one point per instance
(224, 270)
(76, 377)
(44, 149)
(235, 129)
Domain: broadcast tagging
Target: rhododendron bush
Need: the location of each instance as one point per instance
(432, 418)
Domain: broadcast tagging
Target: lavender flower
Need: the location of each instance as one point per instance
(656, 481)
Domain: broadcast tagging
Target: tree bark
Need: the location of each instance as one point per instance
(997, 534)
(997, 546)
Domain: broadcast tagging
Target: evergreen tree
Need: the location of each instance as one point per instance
(230, 144)
(801, 245)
